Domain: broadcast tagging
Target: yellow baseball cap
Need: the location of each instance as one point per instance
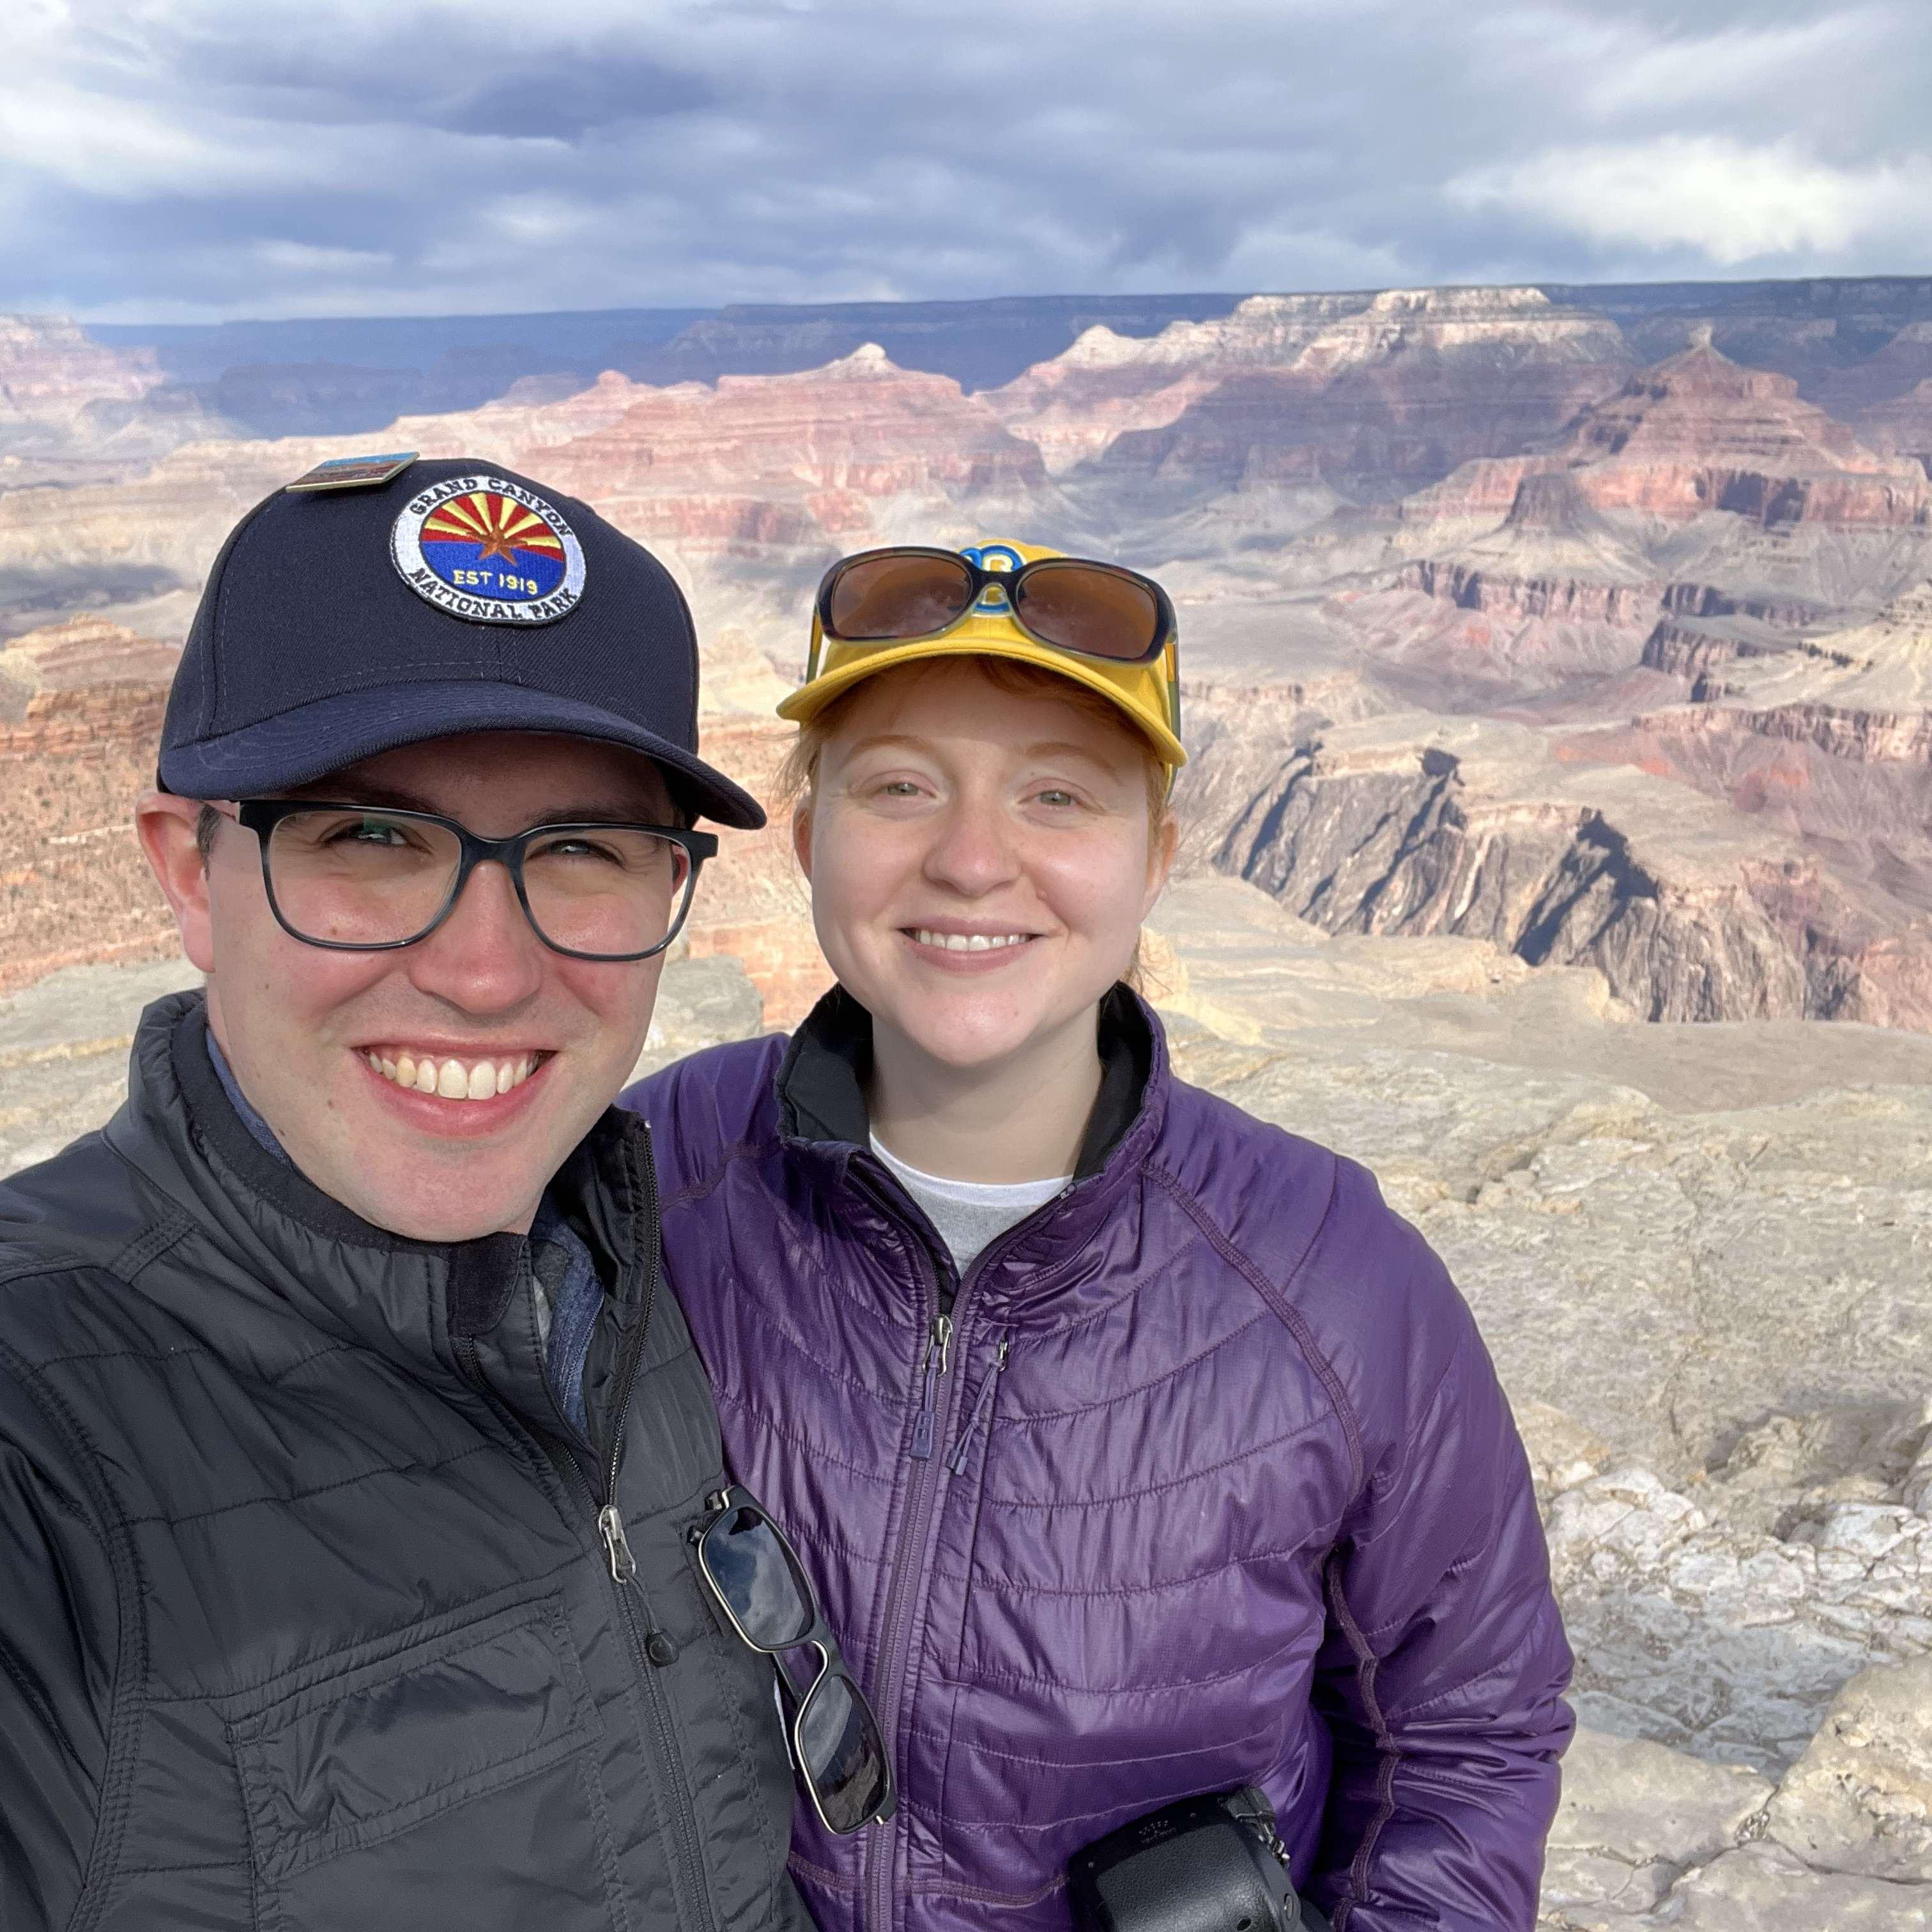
(1147, 693)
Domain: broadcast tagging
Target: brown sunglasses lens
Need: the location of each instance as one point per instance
(873, 599)
(1101, 614)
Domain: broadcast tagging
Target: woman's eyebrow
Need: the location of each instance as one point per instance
(878, 739)
(1059, 748)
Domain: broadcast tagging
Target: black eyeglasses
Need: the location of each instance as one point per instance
(359, 878)
(750, 1568)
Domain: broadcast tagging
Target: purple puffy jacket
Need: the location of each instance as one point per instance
(1209, 1482)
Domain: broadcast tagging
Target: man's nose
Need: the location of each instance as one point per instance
(483, 958)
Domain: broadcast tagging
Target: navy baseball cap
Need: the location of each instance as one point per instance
(378, 602)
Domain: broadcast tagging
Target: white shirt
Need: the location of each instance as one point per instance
(969, 1214)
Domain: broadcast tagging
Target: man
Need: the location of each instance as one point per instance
(349, 1453)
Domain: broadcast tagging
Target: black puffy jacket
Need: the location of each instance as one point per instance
(305, 1618)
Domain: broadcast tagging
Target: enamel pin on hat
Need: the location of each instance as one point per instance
(486, 548)
(354, 473)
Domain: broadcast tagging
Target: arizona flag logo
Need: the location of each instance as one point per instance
(490, 550)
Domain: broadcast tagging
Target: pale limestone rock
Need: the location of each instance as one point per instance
(1727, 1641)
(701, 1002)
(1634, 1816)
(1860, 1798)
(1764, 1887)
(64, 1045)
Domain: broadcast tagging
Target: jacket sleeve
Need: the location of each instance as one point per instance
(58, 1641)
(1442, 1675)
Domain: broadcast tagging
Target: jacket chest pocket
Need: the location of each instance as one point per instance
(454, 1782)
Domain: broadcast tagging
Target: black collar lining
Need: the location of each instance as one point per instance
(821, 1083)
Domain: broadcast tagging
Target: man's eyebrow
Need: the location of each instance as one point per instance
(399, 798)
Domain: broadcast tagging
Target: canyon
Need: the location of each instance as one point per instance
(1557, 839)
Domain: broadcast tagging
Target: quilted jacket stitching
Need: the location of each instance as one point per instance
(725, 1395)
(126, 1705)
(773, 1315)
(1028, 1418)
(1499, 1667)
(1291, 1317)
(1021, 1586)
(1213, 1748)
(415, 1468)
(1388, 1478)
(984, 1673)
(389, 1640)
(1247, 1455)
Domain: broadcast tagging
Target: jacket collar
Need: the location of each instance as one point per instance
(414, 1302)
(823, 1121)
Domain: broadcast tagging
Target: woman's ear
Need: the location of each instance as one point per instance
(1161, 849)
(166, 826)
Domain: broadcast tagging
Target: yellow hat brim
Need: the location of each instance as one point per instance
(867, 660)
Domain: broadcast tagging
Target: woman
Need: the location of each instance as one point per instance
(1138, 1450)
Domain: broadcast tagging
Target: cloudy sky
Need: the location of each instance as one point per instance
(194, 160)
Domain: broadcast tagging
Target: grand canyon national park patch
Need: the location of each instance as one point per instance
(490, 550)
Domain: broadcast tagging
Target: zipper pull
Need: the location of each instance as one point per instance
(658, 1647)
(616, 1546)
(982, 1410)
(937, 1344)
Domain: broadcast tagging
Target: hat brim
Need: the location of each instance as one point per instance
(299, 746)
(808, 700)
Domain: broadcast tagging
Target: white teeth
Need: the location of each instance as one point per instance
(453, 1079)
(968, 942)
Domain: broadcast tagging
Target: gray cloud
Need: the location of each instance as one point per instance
(213, 158)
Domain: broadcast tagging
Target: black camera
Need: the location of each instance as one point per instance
(1211, 1864)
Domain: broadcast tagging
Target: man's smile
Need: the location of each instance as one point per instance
(453, 1076)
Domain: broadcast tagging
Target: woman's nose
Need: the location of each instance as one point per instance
(972, 850)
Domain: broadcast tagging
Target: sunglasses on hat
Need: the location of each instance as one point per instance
(907, 593)
(750, 1568)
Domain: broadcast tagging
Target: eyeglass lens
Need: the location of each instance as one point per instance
(753, 1570)
(879, 597)
(1099, 613)
(842, 1754)
(372, 878)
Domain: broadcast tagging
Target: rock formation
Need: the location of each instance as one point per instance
(1388, 396)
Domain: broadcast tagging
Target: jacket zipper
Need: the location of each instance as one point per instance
(651, 1648)
(938, 1340)
(982, 1410)
(882, 1841)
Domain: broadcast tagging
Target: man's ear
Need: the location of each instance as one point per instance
(166, 827)
(801, 836)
